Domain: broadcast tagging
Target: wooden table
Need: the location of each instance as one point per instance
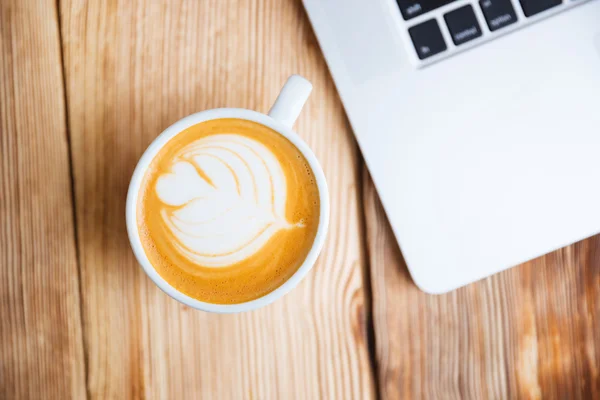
(84, 88)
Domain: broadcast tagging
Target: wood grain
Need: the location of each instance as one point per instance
(530, 332)
(132, 69)
(41, 352)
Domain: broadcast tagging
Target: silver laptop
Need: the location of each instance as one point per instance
(479, 122)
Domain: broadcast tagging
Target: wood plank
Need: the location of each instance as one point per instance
(132, 69)
(41, 351)
(527, 333)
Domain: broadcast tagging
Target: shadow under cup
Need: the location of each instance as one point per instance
(277, 250)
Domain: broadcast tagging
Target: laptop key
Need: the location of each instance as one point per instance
(532, 7)
(498, 13)
(462, 24)
(413, 8)
(427, 39)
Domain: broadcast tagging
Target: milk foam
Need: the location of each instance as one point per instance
(224, 198)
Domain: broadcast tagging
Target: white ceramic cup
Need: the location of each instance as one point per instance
(281, 117)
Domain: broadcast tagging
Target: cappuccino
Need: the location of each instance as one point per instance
(227, 211)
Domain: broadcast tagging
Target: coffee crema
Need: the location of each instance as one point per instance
(228, 210)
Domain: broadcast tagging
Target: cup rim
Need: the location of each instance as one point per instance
(152, 151)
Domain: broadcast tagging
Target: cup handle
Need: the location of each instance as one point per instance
(290, 100)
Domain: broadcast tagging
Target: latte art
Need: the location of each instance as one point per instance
(224, 199)
(228, 210)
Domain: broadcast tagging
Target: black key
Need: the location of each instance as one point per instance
(498, 13)
(412, 8)
(532, 7)
(427, 38)
(462, 24)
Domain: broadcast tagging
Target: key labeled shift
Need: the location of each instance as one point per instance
(414, 8)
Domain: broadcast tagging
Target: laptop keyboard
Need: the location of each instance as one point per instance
(461, 22)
